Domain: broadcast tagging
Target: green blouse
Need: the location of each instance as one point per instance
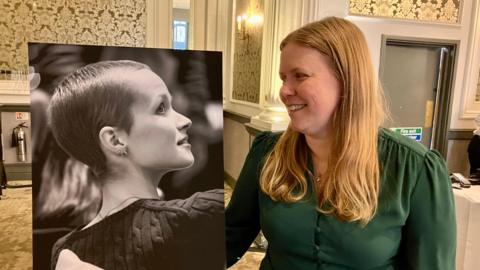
(414, 227)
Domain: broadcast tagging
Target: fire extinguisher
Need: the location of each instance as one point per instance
(19, 141)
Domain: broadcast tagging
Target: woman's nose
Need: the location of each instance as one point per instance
(286, 91)
(183, 122)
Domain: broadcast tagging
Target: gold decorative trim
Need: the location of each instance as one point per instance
(443, 11)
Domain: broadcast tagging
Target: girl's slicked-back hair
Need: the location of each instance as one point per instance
(90, 98)
(349, 188)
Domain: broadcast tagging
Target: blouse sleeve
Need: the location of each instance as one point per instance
(242, 214)
(429, 235)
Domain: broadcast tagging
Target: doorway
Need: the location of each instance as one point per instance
(416, 76)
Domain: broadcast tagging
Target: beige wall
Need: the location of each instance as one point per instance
(236, 142)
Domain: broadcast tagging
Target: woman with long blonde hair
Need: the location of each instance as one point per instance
(335, 190)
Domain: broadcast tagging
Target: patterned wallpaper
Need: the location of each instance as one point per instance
(247, 55)
(445, 11)
(96, 22)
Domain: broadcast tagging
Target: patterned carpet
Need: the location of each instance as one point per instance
(16, 227)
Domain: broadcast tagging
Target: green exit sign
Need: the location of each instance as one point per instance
(414, 133)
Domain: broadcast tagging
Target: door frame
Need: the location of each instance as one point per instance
(448, 61)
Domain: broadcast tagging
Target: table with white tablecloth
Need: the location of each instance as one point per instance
(467, 206)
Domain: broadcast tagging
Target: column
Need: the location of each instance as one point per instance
(159, 24)
(281, 17)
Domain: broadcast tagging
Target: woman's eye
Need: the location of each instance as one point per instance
(300, 75)
(161, 109)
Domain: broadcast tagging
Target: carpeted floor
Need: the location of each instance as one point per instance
(16, 227)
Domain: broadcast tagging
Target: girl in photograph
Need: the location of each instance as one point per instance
(336, 190)
(117, 118)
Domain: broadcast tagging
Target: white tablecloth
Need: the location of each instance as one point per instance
(467, 206)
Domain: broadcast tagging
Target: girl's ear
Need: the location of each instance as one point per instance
(113, 140)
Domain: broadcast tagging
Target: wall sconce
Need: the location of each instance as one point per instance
(245, 21)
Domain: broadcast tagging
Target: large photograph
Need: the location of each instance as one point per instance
(127, 158)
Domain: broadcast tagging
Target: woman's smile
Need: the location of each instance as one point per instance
(295, 107)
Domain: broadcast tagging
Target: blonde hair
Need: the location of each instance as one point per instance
(349, 189)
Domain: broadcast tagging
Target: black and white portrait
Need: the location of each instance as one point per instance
(127, 158)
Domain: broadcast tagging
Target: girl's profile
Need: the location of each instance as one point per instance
(117, 121)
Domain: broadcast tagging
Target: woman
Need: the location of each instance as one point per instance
(116, 117)
(336, 191)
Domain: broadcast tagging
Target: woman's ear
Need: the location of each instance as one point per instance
(113, 140)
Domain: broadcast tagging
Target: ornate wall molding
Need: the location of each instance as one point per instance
(442, 11)
(102, 22)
